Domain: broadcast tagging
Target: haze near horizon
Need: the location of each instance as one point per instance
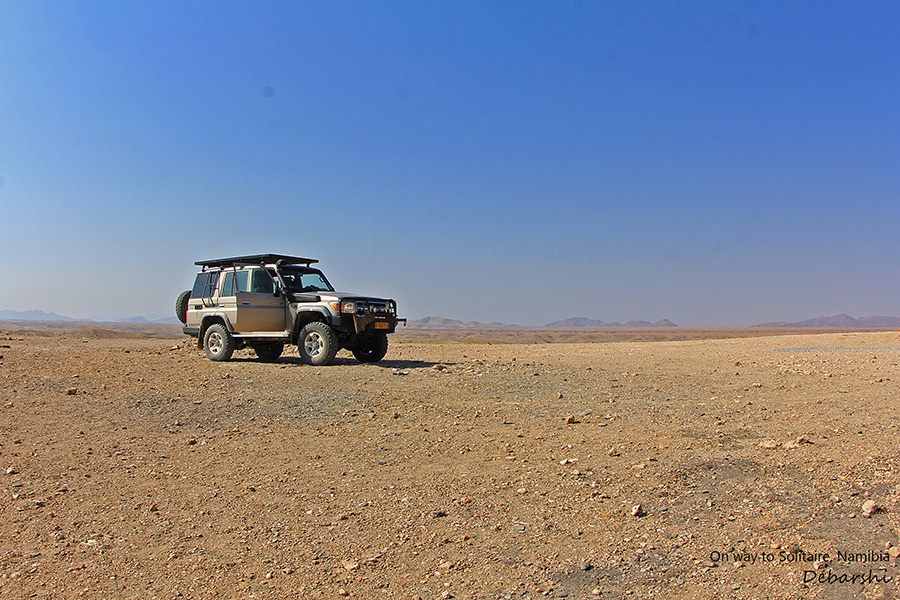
(723, 163)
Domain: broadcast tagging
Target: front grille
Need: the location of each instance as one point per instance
(386, 308)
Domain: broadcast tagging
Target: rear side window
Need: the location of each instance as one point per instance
(205, 284)
(235, 281)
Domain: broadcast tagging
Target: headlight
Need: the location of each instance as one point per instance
(348, 307)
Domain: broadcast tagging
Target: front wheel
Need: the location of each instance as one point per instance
(218, 343)
(317, 344)
(371, 350)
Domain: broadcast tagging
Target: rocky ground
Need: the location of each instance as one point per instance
(133, 467)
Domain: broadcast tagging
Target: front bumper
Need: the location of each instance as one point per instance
(372, 316)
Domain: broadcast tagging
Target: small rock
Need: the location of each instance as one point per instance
(350, 565)
(768, 444)
(559, 396)
(894, 552)
(869, 508)
(820, 564)
(11, 471)
(438, 514)
(637, 511)
(72, 391)
(596, 592)
(570, 420)
(342, 592)
(803, 439)
(586, 566)
(614, 452)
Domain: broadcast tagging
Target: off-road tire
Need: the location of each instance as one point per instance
(181, 305)
(317, 344)
(269, 352)
(371, 350)
(218, 343)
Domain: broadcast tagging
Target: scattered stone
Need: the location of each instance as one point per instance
(439, 367)
(350, 565)
(768, 444)
(637, 511)
(342, 592)
(614, 452)
(894, 552)
(438, 514)
(11, 471)
(571, 419)
(72, 391)
(869, 508)
(586, 566)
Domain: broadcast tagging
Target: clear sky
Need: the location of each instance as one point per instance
(714, 163)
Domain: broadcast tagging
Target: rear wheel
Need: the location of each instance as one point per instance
(371, 350)
(181, 305)
(269, 352)
(218, 343)
(317, 344)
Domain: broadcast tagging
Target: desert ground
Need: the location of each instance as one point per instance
(715, 467)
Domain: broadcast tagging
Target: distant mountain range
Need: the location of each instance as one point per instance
(573, 323)
(39, 315)
(577, 322)
(841, 321)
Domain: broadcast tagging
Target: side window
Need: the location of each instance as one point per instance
(205, 284)
(261, 282)
(235, 281)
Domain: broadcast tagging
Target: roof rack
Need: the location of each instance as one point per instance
(256, 259)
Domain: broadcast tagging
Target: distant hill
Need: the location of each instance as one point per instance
(33, 315)
(579, 322)
(40, 315)
(444, 323)
(840, 321)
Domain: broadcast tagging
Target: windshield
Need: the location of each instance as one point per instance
(299, 279)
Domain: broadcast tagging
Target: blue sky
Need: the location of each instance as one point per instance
(714, 163)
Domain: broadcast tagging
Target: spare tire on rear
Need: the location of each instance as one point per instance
(181, 305)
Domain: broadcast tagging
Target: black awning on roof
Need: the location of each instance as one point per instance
(256, 259)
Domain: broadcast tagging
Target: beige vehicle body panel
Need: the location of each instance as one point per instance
(256, 314)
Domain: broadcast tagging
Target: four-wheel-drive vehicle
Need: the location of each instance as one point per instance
(267, 300)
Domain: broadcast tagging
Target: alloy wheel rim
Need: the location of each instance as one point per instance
(313, 344)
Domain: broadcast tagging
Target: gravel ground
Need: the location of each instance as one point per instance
(132, 467)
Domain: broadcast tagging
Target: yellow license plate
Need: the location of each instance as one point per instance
(382, 325)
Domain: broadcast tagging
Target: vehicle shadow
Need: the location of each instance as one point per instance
(346, 361)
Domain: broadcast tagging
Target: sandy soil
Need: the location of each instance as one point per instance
(132, 467)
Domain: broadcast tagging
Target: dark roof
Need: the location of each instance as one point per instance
(256, 259)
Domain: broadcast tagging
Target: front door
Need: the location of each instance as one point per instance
(258, 309)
